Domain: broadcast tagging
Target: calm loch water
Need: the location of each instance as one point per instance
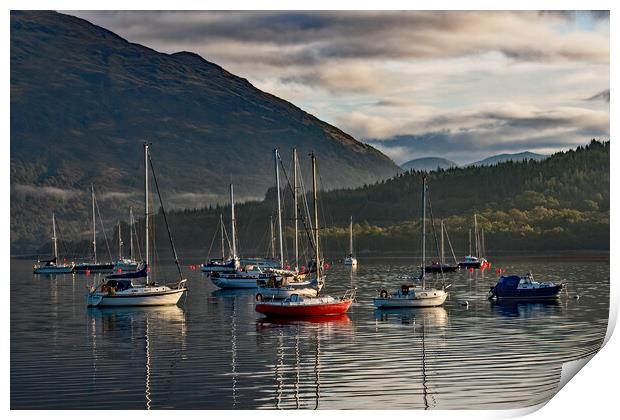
(215, 352)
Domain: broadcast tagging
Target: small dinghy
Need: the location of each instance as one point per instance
(525, 288)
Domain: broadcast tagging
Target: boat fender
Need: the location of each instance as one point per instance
(259, 297)
(383, 294)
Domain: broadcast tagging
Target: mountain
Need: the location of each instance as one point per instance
(428, 164)
(83, 100)
(515, 157)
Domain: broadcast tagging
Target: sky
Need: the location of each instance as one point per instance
(457, 85)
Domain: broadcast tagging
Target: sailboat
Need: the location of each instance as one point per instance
(301, 306)
(126, 264)
(475, 261)
(350, 259)
(284, 283)
(237, 277)
(221, 264)
(120, 291)
(94, 266)
(441, 266)
(51, 266)
(412, 295)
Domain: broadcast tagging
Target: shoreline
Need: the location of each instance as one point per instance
(552, 255)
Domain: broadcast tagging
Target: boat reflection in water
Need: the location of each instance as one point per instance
(436, 316)
(429, 334)
(525, 308)
(136, 333)
(233, 293)
(297, 362)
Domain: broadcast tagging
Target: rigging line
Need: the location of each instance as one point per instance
(212, 241)
(163, 211)
(449, 243)
(430, 210)
(230, 252)
(300, 215)
(103, 229)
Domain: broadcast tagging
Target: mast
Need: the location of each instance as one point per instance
(222, 232)
(476, 238)
(351, 237)
(54, 238)
(482, 242)
(131, 233)
(146, 207)
(469, 253)
(318, 264)
(232, 213)
(272, 238)
(120, 242)
(296, 210)
(423, 231)
(92, 191)
(275, 159)
(442, 244)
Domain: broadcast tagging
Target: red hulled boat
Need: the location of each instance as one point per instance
(298, 306)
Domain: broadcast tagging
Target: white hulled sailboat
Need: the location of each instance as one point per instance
(414, 295)
(120, 290)
(52, 266)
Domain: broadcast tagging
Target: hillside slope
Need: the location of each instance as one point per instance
(83, 100)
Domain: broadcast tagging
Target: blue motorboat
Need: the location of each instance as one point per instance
(525, 288)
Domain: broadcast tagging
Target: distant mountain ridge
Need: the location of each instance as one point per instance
(505, 157)
(428, 164)
(432, 163)
(83, 100)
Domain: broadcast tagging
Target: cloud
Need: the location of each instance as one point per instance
(47, 191)
(467, 136)
(454, 84)
(601, 96)
(303, 38)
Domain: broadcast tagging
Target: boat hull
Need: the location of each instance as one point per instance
(125, 266)
(410, 302)
(475, 265)
(53, 270)
(158, 298)
(94, 268)
(281, 309)
(235, 283)
(552, 292)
